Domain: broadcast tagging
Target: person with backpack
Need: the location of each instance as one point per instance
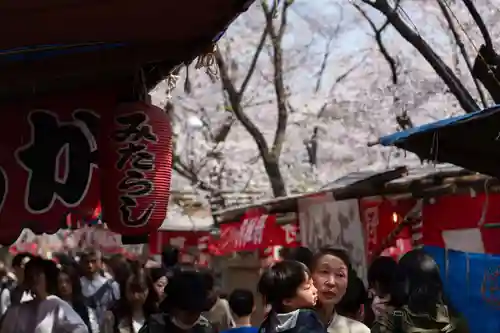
(418, 301)
(7, 284)
(101, 293)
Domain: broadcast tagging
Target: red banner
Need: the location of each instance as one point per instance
(256, 231)
(48, 165)
(380, 217)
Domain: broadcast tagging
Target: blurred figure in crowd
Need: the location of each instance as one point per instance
(418, 298)
(135, 306)
(18, 294)
(353, 302)
(188, 294)
(380, 281)
(69, 289)
(242, 305)
(220, 314)
(101, 293)
(7, 284)
(45, 313)
(159, 279)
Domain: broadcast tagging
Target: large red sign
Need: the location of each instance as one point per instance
(256, 231)
(49, 162)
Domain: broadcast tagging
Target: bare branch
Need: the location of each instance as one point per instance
(442, 70)
(276, 38)
(235, 105)
(253, 63)
(381, 46)
(461, 46)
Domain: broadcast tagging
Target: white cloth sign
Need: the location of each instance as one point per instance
(327, 222)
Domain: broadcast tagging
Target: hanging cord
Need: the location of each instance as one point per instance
(434, 148)
(471, 41)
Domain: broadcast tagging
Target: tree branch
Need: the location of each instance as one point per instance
(442, 70)
(253, 63)
(276, 38)
(381, 46)
(461, 46)
(235, 103)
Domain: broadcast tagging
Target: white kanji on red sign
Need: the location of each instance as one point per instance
(252, 231)
(203, 242)
(290, 233)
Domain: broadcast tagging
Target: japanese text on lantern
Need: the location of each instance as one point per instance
(252, 231)
(135, 135)
(59, 158)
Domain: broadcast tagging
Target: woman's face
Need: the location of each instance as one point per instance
(160, 285)
(64, 285)
(136, 296)
(330, 278)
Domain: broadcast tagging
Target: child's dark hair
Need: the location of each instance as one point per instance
(241, 302)
(281, 281)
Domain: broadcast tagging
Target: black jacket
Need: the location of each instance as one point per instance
(298, 321)
(160, 323)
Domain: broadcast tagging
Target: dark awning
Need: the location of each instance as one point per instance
(471, 141)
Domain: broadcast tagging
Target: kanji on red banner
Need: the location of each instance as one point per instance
(379, 218)
(257, 230)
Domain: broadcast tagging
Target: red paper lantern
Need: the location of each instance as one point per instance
(135, 162)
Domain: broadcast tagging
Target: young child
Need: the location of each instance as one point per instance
(287, 286)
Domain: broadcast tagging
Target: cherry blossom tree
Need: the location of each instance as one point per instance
(296, 102)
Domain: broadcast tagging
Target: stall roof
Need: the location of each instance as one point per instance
(470, 141)
(429, 180)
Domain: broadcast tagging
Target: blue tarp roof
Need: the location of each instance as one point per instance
(392, 139)
(471, 141)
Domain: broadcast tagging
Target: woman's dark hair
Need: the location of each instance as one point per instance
(78, 300)
(157, 273)
(381, 274)
(332, 251)
(418, 283)
(49, 268)
(139, 280)
(189, 289)
(355, 296)
(280, 281)
(300, 254)
(19, 259)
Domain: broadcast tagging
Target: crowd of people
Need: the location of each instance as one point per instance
(306, 291)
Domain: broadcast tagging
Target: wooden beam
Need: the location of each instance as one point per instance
(414, 188)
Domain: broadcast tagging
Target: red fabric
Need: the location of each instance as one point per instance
(378, 215)
(462, 212)
(135, 193)
(254, 232)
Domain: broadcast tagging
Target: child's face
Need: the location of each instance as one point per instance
(306, 296)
